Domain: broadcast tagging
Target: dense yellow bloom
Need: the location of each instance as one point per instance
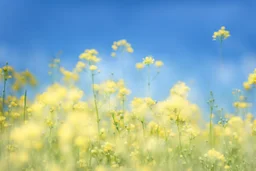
(109, 87)
(123, 92)
(148, 60)
(68, 75)
(59, 129)
(215, 155)
(136, 102)
(221, 34)
(108, 147)
(251, 81)
(90, 55)
(180, 89)
(93, 68)
(150, 102)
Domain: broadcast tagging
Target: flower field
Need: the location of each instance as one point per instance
(67, 128)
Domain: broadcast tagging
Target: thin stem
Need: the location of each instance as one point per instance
(210, 129)
(6, 73)
(155, 76)
(95, 104)
(4, 93)
(143, 127)
(148, 80)
(123, 109)
(178, 127)
(221, 58)
(115, 123)
(25, 104)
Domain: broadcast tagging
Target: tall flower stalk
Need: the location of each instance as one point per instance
(149, 81)
(90, 55)
(221, 35)
(93, 68)
(25, 106)
(148, 61)
(5, 77)
(212, 105)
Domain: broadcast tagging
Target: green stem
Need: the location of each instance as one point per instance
(95, 104)
(4, 90)
(221, 59)
(155, 76)
(178, 127)
(210, 129)
(143, 127)
(122, 117)
(148, 81)
(25, 104)
(115, 123)
(3, 105)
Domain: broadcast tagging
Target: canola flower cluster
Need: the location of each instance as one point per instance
(251, 81)
(147, 61)
(221, 34)
(122, 45)
(67, 128)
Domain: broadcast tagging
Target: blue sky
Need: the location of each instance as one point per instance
(176, 32)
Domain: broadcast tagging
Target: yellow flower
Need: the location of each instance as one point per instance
(130, 50)
(90, 55)
(150, 102)
(80, 66)
(247, 86)
(215, 155)
(221, 34)
(114, 47)
(148, 60)
(124, 92)
(122, 43)
(139, 65)
(252, 78)
(96, 87)
(93, 68)
(108, 147)
(180, 89)
(159, 63)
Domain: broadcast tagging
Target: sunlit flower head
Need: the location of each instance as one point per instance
(93, 68)
(247, 85)
(90, 55)
(148, 60)
(123, 45)
(221, 34)
(159, 64)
